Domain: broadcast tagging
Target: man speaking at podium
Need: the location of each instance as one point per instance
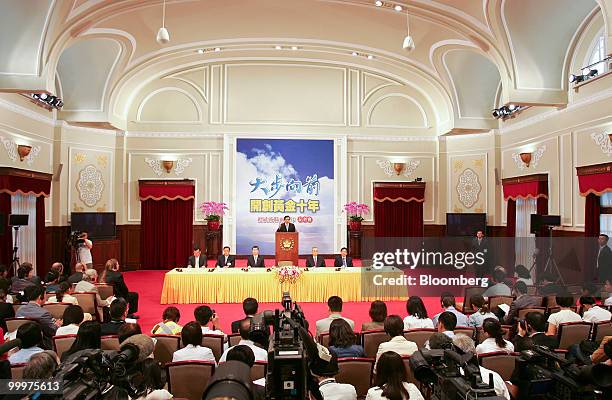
(286, 226)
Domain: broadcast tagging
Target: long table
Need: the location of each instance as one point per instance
(232, 285)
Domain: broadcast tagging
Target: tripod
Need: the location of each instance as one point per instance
(550, 261)
(15, 261)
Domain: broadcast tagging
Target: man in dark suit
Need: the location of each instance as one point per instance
(314, 260)
(197, 260)
(226, 259)
(286, 226)
(250, 307)
(35, 295)
(480, 244)
(535, 334)
(255, 260)
(604, 259)
(343, 260)
(118, 314)
(522, 300)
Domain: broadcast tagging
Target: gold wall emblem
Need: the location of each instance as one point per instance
(287, 244)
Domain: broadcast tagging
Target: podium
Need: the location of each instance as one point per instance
(287, 247)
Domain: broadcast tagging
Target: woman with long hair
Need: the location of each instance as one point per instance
(482, 312)
(378, 313)
(111, 265)
(88, 337)
(494, 338)
(391, 381)
(342, 340)
(417, 314)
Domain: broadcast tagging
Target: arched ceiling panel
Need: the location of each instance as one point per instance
(84, 70)
(169, 105)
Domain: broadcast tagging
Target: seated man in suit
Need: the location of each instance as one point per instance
(77, 277)
(250, 307)
(286, 226)
(522, 300)
(118, 314)
(255, 260)
(197, 260)
(35, 295)
(314, 260)
(343, 260)
(226, 259)
(535, 334)
(25, 277)
(334, 305)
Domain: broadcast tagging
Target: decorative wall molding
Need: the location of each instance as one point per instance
(90, 185)
(156, 165)
(535, 158)
(468, 188)
(181, 164)
(11, 148)
(34, 152)
(603, 141)
(409, 168)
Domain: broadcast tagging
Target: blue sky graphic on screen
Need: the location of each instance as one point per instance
(278, 177)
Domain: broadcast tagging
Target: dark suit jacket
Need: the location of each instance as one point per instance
(604, 262)
(115, 278)
(338, 261)
(260, 261)
(540, 339)
(521, 302)
(310, 262)
(19, 284)
(75, 278)
(110, 328)
(191, 262)
(283, 228)
(231, 260)
(44, 318)
(236, 325)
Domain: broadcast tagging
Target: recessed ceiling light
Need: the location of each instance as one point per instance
(398, 7)
(277, 47)
(354, 53)
(294, 47)
(370, 57)
(200, 51)
(378, 3)
(217, 49)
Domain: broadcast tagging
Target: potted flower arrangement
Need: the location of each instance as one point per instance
(213, 212)
(355, 212)
(288, 274)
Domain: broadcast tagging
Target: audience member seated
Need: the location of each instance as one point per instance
(417, 314)
(6, 310)
(245, 354)
(342, 340)
(481, 313)
(394, 326)
(522, 300)
(41, 366)
(447, 322)
(208, 319)
(533, 333)
(439, 341)
(608, 289)
(77, 276)
(52, 282)
(250, 307)
(447, 301)
(62, 296)
(245, 329)
(522, 275)
(87, 285)
(169, 324)
(118, 314)
(600, 355)
(72, 318)
(5, 283)
(112, 276)
(31, 341)
(562, 316)
(128, 330)
(59, 268)
(550, 286)
(334, 305)
(592, 312)
(466, 345)
(154, 380)
(494, 338)
(33, 309)
(499, 287)
(589, 290)
(23, 279)
(191, 337)
(378, 313)
(88, 337)
(391, 381)
(324, 372)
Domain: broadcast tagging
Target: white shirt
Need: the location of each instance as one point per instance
(23, 355)
(322, 325)
(412, 322)
(196, 262)
(193, 353)
(85, 252)
(608, 301)
(65, 299)
(260, 354)
(596, 314)
(207, 331)
(498, 382)
(71, 329)
(563, 316)
(489, 346)
(398, 344)
(375, 393)
(332, 390)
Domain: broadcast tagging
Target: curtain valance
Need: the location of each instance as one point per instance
(166, 189)
(14, 180)
(404, 192)
(524, 187)
(595, 179)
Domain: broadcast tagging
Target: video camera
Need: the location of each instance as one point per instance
(75, 239)
(453, 376)
(543, 374)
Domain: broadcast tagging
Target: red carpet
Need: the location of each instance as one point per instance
(149, 286)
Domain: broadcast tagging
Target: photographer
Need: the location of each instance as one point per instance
(531, 333)
(84, 250)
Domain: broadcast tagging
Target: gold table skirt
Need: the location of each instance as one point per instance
(232, 285)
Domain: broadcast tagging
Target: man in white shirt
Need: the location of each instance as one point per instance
(466, 344)
(562, 316)
(447, 301)
(245, 328)
(592, 312)
(334, 305)
(394, 327)
(446, 325)
(324, 368)
(191, 337)
(84, 250)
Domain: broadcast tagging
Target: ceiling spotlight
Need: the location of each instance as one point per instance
(163, 36)
(200, 51)
(370, 57)
(408, 43)
(277, 47)
(398, 8)
(294, 47)
(576, 78)
(354, 53)
(512, 107)
(505, 112)
(47, 101)
(217, 49)
(592, 73)
(378, 3)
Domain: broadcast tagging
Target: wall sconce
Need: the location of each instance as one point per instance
(23, 150)
(399, 167)
(526, 158)
(168, 165)
(610, 136)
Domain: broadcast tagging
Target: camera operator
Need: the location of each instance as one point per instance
(84, 250)
(531, 332)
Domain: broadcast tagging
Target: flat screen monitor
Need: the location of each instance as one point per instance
(98, 225)
(465, 224)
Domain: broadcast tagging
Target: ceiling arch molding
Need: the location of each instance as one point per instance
(397, 114)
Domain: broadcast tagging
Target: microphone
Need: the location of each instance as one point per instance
(136, 348)
(10, 345)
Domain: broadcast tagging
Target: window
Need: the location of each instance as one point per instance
(598, 53)
(605, 218)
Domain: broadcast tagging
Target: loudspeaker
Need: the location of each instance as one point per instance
(18, 219)
(538, 221)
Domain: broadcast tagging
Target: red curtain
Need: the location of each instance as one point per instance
(398, 209)
(6, 239)
(596, 182)
(511, 218)
(166, 213)
(592, 212)
(41, 267)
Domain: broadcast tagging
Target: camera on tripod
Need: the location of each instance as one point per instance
(75, 239)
